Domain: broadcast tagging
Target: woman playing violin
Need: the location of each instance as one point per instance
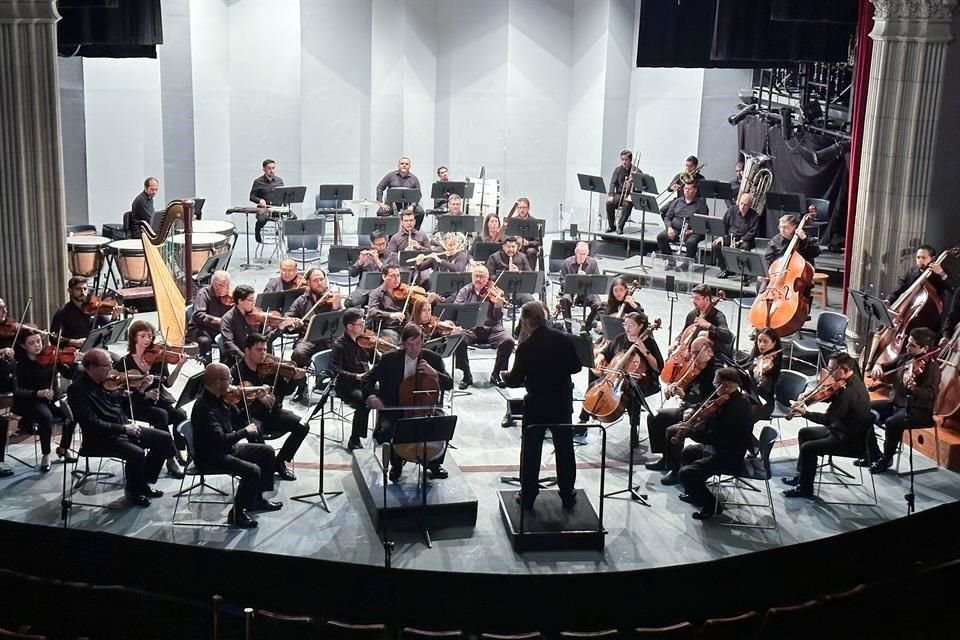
(152, 402)
(763, 365)
(434, 327)
(36, 396)
(844, 425)
(723, 431)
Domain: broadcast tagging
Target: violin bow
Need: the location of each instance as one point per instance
(23, 316)
(243, 395)
(56, 353)
(126, 378)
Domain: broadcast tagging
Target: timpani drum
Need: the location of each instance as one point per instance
(85, 254)
(204, 246)
(131, 262)
(222, 227)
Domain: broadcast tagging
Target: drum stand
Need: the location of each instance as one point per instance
(249, 264)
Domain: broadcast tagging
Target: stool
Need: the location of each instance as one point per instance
(820, 289)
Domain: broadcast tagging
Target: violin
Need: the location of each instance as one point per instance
(437, 327)
(912, 369)
(409, 292)
(287, 369)
(10, 328)
(827, 388)
(494, 293)
(693, 352)
(703, 413)
(95, 305)
(763, 364)
(169, 354)
(52, 355)
(237, 394)
(130, 380)
(368, 340)
(259, 318)
(226, 300)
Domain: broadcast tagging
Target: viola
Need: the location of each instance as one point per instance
(605, 399)
(95, 305)
(169, 354)
(785, 304)
(237, 394)
(494, 293)
(125, 380)
(287, 369)
(226, 299)
(828, 387)
(694, 351)
(703, 413)
(52, 355)
(368, 340)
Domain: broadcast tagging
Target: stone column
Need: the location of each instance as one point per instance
(903, 100)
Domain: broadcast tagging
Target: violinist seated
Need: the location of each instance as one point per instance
(244, 319)
(255, 369)
(705, 319)
(846, 422)
(386, 311)
(916, 380)
(635, 326)
(511, 259)
(740, 225)
(492, 332)
(108, 431)
(319, 297)
(388, 374)
(151, 400)
(408, 238)
(434, 327)
(788, 226)
(723, 433)
(288, 279)
(349, 363)
(925, 260)
(453, 259)
(36, 395)
(218, 428)
(677, 222)
(763, 366)
(209, 305)
(580, 263)
(370, 260)
(74, 321)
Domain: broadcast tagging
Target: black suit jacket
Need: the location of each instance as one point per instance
(544, 364)
(99, 413)
(729, 432)
(388, 372)
(216, 428)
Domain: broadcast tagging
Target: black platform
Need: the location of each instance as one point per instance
(548, 526)
(450, 502)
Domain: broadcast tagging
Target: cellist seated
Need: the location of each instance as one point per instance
(925, 260)
(389, 373)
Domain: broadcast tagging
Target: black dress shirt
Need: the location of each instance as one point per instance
(381, 304)
(262, 188)
(278, 284)
(140, 211)
(617, 180)
(401, 240)
(939, 284)
(31, 377)
(499, 262)
(73, 321)
(741, 227)
(729, 431)
(158, 370)
(99, 412)
(924, 395)
(467, 295)
(347, 360)
(650, 383)
(457, 263)
(849, 412)
(778, 245)
(543, 365)
(217, 427)
(571, 268)
(206, 307)
(394, 179)
(234, 329)
(680, 211)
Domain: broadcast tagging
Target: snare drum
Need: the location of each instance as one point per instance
(131, 262)
(204, 246)
(85, 254)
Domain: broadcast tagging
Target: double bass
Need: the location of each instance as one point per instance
(785, 304)
(605, 400)
(693, 353)
(948, 396)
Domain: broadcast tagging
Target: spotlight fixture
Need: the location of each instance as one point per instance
(735, 119)
(786, 122)
(812, 112)
(829, 154)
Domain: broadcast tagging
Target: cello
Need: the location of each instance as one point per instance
(947, 403)
(918, 306)
(420, 390)
(693, 352)
(785, 304)
(605, 399)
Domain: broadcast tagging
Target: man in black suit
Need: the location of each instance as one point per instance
(722, 439)
(218, 429)
(544, 364)
(389, 373)
(107, 431)
(141, 210)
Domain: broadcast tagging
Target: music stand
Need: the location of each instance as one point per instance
(747, 263)
(794, 203)
(483, 250)
(443, 190)
(324, 326)
(286, 196)
(612, 327)
(191, 390)
(338, 193)
(644, 183)
(401, 197)
(584, 348)
(646, 203)
(304, 227)
(342, 258)
(106, 335)
(420, 431)
(583, 285)
(449, 282)
(389, 225)
(467, 315)
(525, 228)
(459, 224)
(709, 226)
(370, 280)
(592, 185)
(278, 300)
(320, 493)
(715, 190)
(875, 311)
(515, 283)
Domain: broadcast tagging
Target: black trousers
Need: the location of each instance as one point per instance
(253, 464)
(280, 421)
(496, 336)
(204, 339)
(357, 298)
(718, 254)
(303, 351)
(4, 425)
(533, 451)
(894, 421)
(820, 441)
(42, 413)
(143, 455)
(625, 212)
(657, 426)
(566, 304)
(354, 395)
(689, 244)
(699, 462)
(164, 416)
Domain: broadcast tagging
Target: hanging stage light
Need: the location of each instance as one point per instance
(786, 122)
(829, 154)
(743, 113)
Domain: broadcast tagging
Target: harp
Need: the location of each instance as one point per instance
(171, 307)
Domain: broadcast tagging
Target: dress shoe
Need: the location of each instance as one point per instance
(507, 422)
(45, 467)
(395, 475)
(181, 459)
(791, 482)
(526, 506)
(239, 518)
(670, 479)
(354, 443)
(723, 275)
(174, 470)
(465, 382)
(284, 472)
(610, 230)
(137, 499)
(659, 465)
(706, 514)
(880, 465)
(861, 462)
(65, 455)
(302, 396)
(5, 471)
(152, 493)
(266, 505)
(690, 500)
(797, 492)
(496, 380)
(569, 502)
(437, 472)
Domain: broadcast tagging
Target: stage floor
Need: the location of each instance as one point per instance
(639, 537)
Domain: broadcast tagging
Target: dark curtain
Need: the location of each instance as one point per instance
(794, 172)
(118, 29)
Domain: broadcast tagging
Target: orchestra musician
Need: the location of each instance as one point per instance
(423, 317)
(408, 238)
(320, 297)
(7, 372)
(763, 365)
(384, 310)
(371, 259)
(37, 397)
(108, 430)
(349, 364)
(443, 175)
(690, 170)
(453, 259)
(711, 321)
(266, 409)
(634, 326)
(580, 263)
(740, 225)
(530, 243)
(218, 429)
(677, 221)
(141, 210)
(615, 194)
(788, 226)
(388, 373)
(454, 205)
(401, 178)
(261, 191)
(735, 183)
(846, 424)
(153, 403)
(70, 321)
(619, 299)
(492, 230)
(509, 258)
(915, 390)
(287, 280)
(545, 363)
(209, 305)
(925, 259)
(950, 320)
(721, 443)
(492, 332)
(234, 327)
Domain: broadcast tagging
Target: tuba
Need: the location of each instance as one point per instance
(757, 179)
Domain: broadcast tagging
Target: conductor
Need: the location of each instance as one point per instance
(544, 364)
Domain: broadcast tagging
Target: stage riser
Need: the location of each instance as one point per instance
(548, 527)
(949, 444)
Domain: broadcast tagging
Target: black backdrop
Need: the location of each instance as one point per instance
(795, 172)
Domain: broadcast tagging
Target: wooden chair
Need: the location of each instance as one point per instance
(338, 630)
(679, 631)
(794, 621)
(820, 288)
(412, 633)
(742, 627)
